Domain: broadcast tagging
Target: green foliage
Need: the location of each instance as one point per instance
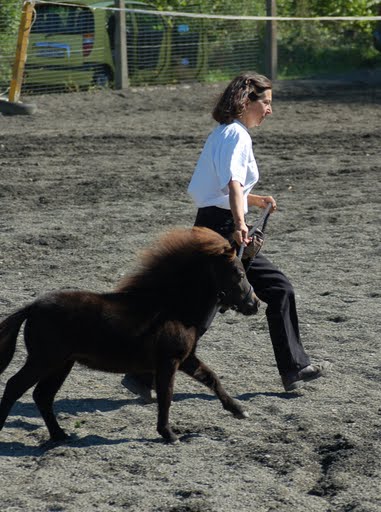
(326, 7)
(311, 47)
(239, 7)
(10, 13)
(305, 47)
(284, 7)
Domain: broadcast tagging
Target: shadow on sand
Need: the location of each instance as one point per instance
(90, 405)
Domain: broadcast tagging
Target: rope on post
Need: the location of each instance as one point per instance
(12, 105)
(21, 52)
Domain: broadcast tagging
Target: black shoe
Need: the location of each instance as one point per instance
(296, 380)
(133, 384)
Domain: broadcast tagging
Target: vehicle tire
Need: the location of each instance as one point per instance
(102, 77)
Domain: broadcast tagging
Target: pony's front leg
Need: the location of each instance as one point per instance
(165, 379)
(194, 367)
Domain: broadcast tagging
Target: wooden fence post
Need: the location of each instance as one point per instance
(21, 51)
(121, 68)
(271, 64)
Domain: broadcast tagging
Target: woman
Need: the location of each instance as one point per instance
(220, 187)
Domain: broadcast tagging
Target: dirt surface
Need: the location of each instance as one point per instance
(92, 178)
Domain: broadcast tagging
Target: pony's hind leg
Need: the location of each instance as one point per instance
(44, 394)
(194, 367)
(16, 386)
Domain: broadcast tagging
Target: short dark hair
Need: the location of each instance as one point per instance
(232, 101)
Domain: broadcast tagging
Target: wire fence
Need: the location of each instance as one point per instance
(72, 45)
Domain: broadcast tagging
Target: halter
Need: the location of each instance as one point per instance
(222, 294)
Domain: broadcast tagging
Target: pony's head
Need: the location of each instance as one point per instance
(233, 288)
(197, 259)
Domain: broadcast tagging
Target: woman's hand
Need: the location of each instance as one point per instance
(241, 233)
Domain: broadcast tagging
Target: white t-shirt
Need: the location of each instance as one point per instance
(227, 155)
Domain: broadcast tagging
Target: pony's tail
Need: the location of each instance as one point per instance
(9, 329)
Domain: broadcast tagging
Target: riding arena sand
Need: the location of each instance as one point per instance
(90, 180)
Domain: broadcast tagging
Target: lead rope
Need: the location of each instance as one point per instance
(259, 225)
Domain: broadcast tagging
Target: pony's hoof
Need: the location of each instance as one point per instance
(170, 438)
(133, 384)
(242, 415)
(59, 436)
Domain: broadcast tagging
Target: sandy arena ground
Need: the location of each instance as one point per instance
(92, 178)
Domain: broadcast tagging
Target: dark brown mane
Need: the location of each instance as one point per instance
(176, 249)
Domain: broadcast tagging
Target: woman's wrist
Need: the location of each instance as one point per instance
(255, 200)
(239, 225)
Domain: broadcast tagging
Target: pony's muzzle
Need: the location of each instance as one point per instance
(251, 305)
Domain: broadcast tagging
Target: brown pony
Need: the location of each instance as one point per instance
(150, 324)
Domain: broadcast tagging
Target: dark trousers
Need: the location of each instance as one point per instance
(272, 287)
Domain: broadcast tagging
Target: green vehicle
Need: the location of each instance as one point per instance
(73, 45)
